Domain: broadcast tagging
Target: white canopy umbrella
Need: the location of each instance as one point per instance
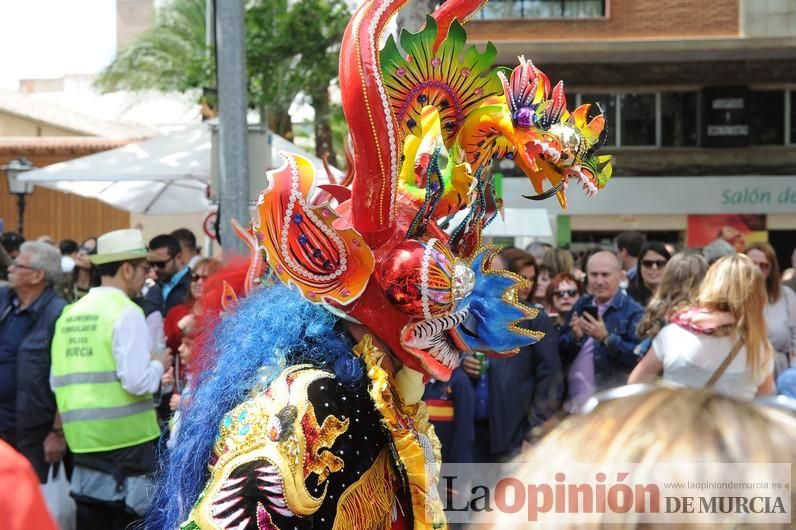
(517, 222)
(167, 174)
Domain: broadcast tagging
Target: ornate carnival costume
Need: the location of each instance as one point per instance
(296, 427)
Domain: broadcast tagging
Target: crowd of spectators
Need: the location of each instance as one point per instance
(632, 313)
(132, 308)
(635, 311)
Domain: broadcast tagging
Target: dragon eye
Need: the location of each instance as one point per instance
(281, 424)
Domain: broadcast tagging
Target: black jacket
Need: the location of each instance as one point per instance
(524, 390)
(177, 295)
(455, 426)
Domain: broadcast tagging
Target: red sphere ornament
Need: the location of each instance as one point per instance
(417, 278)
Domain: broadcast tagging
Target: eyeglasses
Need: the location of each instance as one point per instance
(21, 266)
(653, 263)
(571, 293)
(196, 277)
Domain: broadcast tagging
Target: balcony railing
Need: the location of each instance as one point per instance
(535, 9)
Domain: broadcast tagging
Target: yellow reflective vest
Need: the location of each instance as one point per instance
(98, 414)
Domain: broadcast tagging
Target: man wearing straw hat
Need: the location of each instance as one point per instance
(104, 374)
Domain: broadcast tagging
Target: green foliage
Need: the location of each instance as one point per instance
(316, 28)
(170, 56)
(339, 133)
(270, 54)
(291, 46)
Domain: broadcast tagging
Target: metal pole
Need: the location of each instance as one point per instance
(232, 133)
(210, 33)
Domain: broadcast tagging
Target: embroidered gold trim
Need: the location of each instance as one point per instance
(367, 503)
(413, 438)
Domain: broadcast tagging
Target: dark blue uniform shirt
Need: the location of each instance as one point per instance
(14, 324)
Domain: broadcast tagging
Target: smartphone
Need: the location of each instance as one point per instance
(591, 310)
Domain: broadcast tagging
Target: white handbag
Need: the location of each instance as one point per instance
(56, 496)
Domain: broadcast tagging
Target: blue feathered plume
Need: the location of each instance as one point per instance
(270, 329)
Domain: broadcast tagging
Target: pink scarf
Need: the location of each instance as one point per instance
(703, 320)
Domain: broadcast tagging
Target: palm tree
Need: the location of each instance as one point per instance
(290, 46)
(172, 56)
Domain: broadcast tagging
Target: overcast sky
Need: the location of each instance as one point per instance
(50, 38)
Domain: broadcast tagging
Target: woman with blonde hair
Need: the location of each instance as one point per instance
(720, 340)
(679, 284)
(780, 311)
(672, 434)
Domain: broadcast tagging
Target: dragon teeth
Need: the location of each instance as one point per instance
(283, 511)
(219, 507)
(232, 482)
(225, 494)
(242, 524)
(276, 501)
(276, 488)
(227, 521)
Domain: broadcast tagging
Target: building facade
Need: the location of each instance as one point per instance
(700, 99)
(50, 212)
(46, 134)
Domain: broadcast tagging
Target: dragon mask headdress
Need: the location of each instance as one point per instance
(308, 445)
(427, 121)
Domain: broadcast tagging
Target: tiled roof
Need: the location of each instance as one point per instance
(36, 109)
(52, 144)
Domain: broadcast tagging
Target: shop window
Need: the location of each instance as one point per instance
(501, 9)
(504, 9)
(678, 119)
(637, 119)
(608, 104)
(767, 117)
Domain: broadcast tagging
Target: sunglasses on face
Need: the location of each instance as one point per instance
(571, 293)
(196, 277)
(763, 265)
(653, 263)
(162, 264)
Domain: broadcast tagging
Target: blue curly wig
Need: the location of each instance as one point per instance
(272, 328)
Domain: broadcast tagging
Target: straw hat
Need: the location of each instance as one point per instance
(122, 245)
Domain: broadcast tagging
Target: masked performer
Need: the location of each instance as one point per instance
(309, 415)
